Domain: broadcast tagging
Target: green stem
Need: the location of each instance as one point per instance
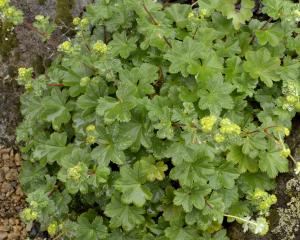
(239, 218)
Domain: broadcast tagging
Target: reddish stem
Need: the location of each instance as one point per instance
(55, 84)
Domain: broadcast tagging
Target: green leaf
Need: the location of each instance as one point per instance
(123, 45)
(214, 207)
(260, 64)
(272, 163)
(273, 8)
(31, 175)
(215, 96)
(184, 54)
(138, 81)
(123, 215)
(239, 79)
(245, 162)
(89, 100)
(181, 233)
(248, 182)
(272, 35)
(179, 14)
(106, 153)
(224, 176)
(155, 35)
(114, 110)
(112, 140)
(131, 185)
(221, 235)
(153, 170)
(54, 149)
(230, 196)
(189, 198)
(238, 16)
(55, 108)
(90, 230)
(192, 173)
(253, 144)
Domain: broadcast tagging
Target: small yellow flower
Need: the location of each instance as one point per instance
(29, 215)
(84, 81)
(258, 193)
(285, 152)
(28, 86)
(9, 12)
(207, 123)
(203, 12)
(191, 15)
(264, 205)
(297, 168)
(3, 3)
(227, 127)
(25, 73)
(84, 23)
(90, 139)
(39, 17)
(52, 228)
(291, 99)
(75, 172)
(273, 199)
(219, 138)
(76, 21)
(65, 47)
(91, 128)
(286, 131)
(100, 47)
(33, 204)
(297, 13)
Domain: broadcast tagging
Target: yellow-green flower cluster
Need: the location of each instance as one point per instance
(90, 139)
(297, 168)
(3, 3)
(282, 130)
(10, 13)
(267, 203)
(25, 74)
(191, 15)
(260, 226)
(100, 47)
(259, 194)
(285, 152)
(66, 47)
(33, 204)
(264, 200)
(76, 21)
(52, 228)
(219, 138)
(84, 81)
(74, 173)
(227, 127)
(202, 13)
(29, 215)
(91, 128)
(84, 23)
(297, 15)
(207, 123)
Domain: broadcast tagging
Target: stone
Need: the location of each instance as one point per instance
(3, 235)
(11, 175)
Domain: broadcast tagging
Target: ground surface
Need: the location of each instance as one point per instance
(26, 49)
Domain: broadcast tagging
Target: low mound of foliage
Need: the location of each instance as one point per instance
(162, 122)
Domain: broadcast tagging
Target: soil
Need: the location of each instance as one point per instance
(24, 49)
(11, 196)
